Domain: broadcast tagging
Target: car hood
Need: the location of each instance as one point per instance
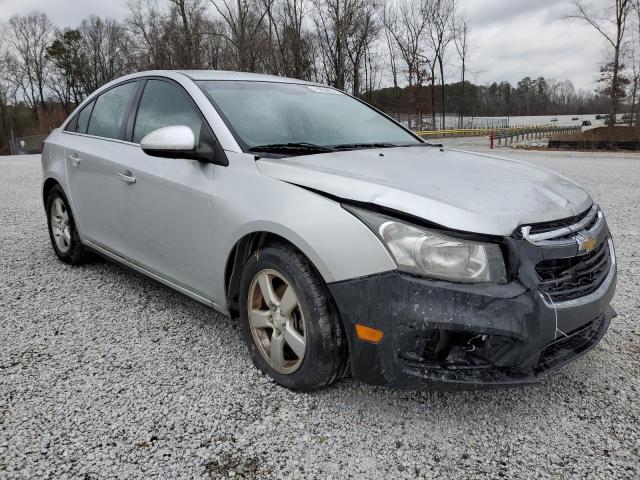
(456, 189)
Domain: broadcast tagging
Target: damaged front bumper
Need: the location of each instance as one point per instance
(445, 336)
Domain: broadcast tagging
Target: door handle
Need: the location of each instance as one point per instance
(127, 177)
(75, 159)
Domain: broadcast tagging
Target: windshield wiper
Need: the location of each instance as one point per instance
(359, 146)
(291, 148)
(425, 144)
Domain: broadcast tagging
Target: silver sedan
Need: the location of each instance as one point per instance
(342, 242)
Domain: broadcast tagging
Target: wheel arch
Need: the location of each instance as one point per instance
(243, 249)
(48, 184)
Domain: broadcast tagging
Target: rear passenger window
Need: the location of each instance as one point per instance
(110, 111)
(162, 105)
(83, 119)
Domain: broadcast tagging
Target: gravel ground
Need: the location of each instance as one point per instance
(107, 374)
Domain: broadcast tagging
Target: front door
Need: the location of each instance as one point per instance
(168, 217)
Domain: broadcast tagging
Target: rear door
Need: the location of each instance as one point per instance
(93, 149)
(169, 212)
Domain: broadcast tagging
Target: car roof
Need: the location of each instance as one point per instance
(193, 75)
(238, 76)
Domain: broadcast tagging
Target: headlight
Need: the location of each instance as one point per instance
(432, 254)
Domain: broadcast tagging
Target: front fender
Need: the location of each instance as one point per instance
(338, 244)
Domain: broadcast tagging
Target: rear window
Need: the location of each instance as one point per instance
(80, 121)
(83, 119)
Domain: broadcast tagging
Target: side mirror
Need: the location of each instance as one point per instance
(176, 141)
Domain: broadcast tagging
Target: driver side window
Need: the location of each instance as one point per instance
(162, 105)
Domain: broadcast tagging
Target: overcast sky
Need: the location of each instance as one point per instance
(510, 39)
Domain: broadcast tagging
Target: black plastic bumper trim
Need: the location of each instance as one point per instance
(405, 307)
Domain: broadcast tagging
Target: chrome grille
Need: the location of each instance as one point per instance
(563, 233)
(576, 277)
(565, 279)
(545, 227)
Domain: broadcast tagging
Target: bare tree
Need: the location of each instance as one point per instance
(104, 50)
(372, 73)
(68, 65)
(216, 53)
(635, 65)
(345, 30)
(566, 91)
(187, 51)
(290, 41)
(408, 24)
(392, 49)
(8, 92)
(635, 80)
(333, 20)
(185, 28)
(610, 24)
(147, 46)
(635, 72)
(461, 39)
(176, 34)
(244, 21)
(30, 35)
(441, 34)
(361, 36)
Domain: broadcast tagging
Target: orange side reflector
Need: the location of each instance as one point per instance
(369, 334)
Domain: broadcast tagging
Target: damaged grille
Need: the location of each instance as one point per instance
(565, 279)
(573, 343)
(561, 278)
(586, 220)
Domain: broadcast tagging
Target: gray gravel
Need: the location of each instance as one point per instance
(105, 373)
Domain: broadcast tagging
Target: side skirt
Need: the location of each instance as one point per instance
(118, 259)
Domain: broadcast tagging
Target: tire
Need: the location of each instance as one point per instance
(325, 358)
(70, 249)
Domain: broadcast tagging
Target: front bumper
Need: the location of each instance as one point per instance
(444, 336)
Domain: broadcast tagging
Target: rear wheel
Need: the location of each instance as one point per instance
(289, 322)
(62, 228)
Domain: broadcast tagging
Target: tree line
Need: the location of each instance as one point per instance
(528, 97)
(420, 47)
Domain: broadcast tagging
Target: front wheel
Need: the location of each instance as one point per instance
(289, 322)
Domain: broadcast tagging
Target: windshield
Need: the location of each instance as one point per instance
(294, 116)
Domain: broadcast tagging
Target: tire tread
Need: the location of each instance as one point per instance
(333, 350)
(77, 254)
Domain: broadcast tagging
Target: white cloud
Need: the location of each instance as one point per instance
(531, 39)
(63, 13)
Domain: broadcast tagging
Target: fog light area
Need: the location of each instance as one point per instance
(454, 349)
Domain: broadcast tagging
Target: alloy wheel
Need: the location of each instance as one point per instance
(60, 225)
(276, 321)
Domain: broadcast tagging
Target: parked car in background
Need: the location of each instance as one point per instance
(575, 119)
(586, 123)
(341, 240)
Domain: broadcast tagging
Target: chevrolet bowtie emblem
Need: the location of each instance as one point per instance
(586, 244)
